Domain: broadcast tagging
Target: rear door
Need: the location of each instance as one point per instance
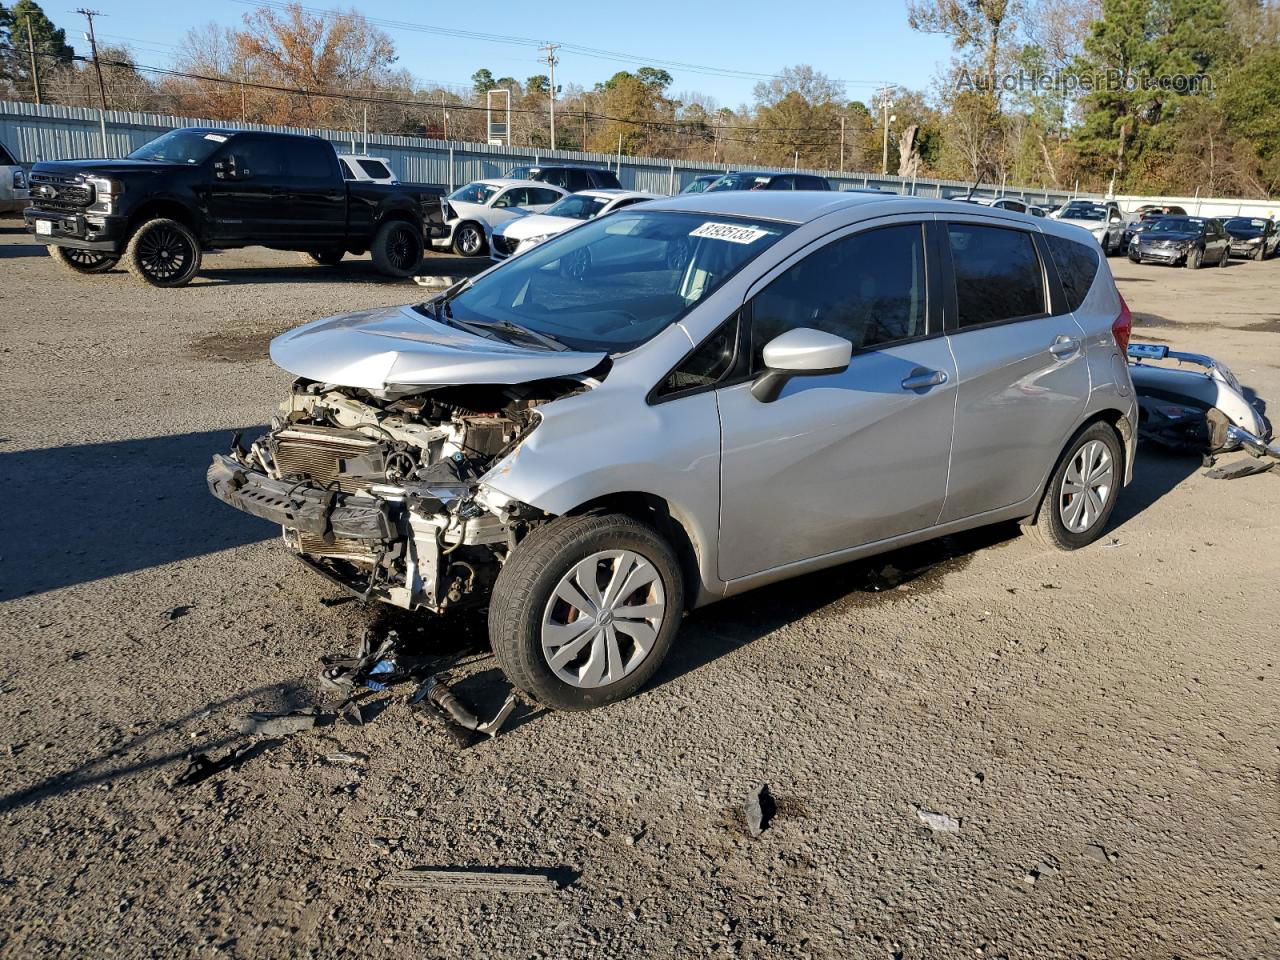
(1023, 379)
(317, 208)
(854, 457)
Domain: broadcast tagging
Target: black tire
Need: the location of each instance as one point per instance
(1224, 258)
(82, 261)
(468, 239)
(1194, 259)
(163, 253)
(524, 594)
(323, 258)
(1135, 258)
(397, 248)
(1047, 525)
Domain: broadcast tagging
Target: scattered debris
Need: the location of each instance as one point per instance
(348, 759)
(1115, 542)
(979, 776)
(202, 768)
(336, 601)
(939, 822)
(1049, 586)
(1241, 468)
(760, 809)
(173, 613)
(281, 724)
(1048, 867)
(435, 696)
(494, 880)
(1100, 853)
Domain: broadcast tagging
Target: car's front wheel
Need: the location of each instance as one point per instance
(82, 261)
(1082, 491)
(585, 608)
(468, 240)
(1194, 259)
(163, 253)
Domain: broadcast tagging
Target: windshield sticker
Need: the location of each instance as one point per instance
(215, 137)
(733, 232)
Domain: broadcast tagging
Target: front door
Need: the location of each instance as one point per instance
(250, 202)
(1023, 379)
(846, 459)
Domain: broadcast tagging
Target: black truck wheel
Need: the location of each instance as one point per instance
(163, 253)
(82, 261)
(585, 609)
(397, 248)
(324, 258)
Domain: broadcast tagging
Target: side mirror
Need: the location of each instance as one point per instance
(228, 168)
(802, 352)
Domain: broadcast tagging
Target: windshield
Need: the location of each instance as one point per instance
(700, 185)
(1245, 224)
(474, 193)
(522, 173)
(1083, 211)
(578, 207)
(1175, 225)
(614, 282)
(738, 181)
(181, 146)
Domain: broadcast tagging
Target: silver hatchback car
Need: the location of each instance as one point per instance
(690, 398)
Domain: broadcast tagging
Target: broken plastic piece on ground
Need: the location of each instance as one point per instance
(939, 822)
(281, 724)
(760, 809)
(495, 880)
(202, 768)
(1241, 468)
(381, 668)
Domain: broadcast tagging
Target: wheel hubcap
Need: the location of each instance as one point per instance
(1086, 487)
(603, 618)
(402, 249)
(470, 240)
(164, 253)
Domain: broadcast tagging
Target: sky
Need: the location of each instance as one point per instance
(861, 44)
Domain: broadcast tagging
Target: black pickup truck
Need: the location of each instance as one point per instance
(195, 190)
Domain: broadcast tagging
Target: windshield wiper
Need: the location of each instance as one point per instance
(504, 325)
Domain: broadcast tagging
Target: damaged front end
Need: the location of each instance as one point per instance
(380, 490)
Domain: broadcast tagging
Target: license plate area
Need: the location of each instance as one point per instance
(44, 227)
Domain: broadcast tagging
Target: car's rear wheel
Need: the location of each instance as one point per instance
(397, 248)
(468, 240)
(163, 253)
(82, 261)
(1082, 491)
(585, 609)
(324, 258)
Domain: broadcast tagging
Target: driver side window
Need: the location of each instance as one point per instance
(866, 287)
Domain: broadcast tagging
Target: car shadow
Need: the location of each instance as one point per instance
(362, 271)
(135, 755)
(83, 512)
(13, 251)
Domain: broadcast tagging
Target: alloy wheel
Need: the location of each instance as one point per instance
(164, 253)
(603, 618)
(1086, 487)
(402, 248)
(469, 241)
(85, 259)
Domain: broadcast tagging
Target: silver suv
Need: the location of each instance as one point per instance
(691, 398)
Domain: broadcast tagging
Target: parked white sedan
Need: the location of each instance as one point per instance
(479, 208)
(525, 233)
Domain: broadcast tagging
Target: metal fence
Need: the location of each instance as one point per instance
(53, 132)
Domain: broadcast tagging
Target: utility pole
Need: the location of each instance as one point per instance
(35, 71)
(842, 144)
(552, 60)
(93, 45)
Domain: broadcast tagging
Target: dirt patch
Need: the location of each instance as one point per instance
(234, 347)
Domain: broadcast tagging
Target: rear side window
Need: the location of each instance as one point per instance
(347, 173)
(867, 287)
(538, 196)
(1077, 265)
(578, 180)
(375, 169)
(997, 274)
(559, 177)
(605, 179)
(781, 183)
(310, 160)
(804, 182)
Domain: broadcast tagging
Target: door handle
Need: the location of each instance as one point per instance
(922, 378)
(1064, 347)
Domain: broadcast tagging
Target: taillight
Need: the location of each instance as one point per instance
(1123, 327)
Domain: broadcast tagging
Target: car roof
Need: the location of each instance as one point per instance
(224, 132)
(363, 156)
(503, 182)
(791, 206)
(614, 193)
(560, 166)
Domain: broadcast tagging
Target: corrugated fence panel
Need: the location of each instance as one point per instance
(54, 132)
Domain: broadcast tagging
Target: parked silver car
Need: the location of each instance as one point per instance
(691, 398)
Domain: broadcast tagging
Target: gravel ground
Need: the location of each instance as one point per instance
(1100, 727)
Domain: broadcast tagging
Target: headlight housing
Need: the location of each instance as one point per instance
(534, 241)
(105, 192)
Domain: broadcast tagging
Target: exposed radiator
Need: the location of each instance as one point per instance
(323, 455)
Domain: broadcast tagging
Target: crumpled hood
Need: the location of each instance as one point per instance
(536, 225)
(400, 347)
(1152, 236)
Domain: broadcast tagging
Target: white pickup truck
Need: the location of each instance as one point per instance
(13, 183)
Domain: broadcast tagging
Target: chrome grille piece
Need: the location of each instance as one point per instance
(59, 193)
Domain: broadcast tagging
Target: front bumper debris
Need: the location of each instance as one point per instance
(304, 506)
